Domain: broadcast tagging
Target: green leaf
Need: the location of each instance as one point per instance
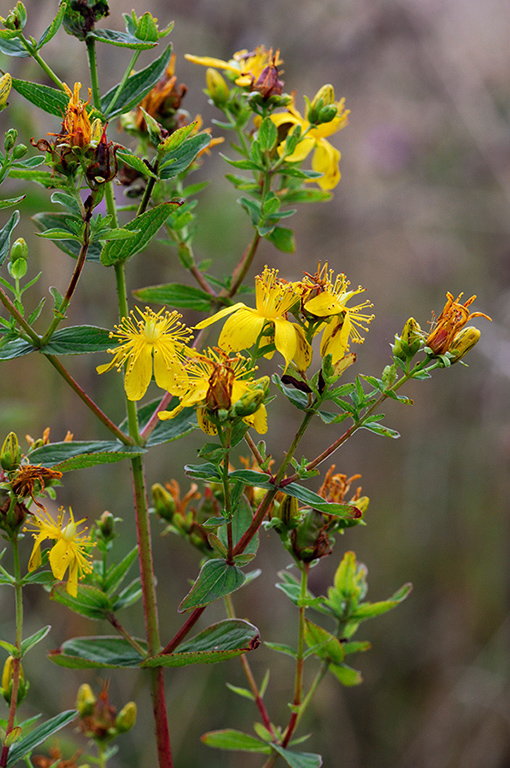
(51, 100)
(127, 157)
(89, 601)
(328, 647)
(216, 579)
(13, 48)
(379, 429)
(25, 745)
(369, 610)
(130, 595)
(53, 28)
(298, 759)
(219, 642)
(267, 135)
(283, 239)
(242, 519)
(97, 652)
(116, 573)
(177, 160)
(9, 647)
(176, 295)
(288, 650)
(8, 201)
(29, 642)
(78, 340)
(243, 692)
(121, 39)
(137, 86)
(15, 348)
(205, 471)
(5, 236)
(346, 675)
(147, 224)
(47, 221)
(81, 454)
(235, 740)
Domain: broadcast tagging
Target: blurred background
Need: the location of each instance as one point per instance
(422, 207)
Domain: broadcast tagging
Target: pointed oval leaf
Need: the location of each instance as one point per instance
(89, 601)
(97, 652)
(47, 221)
(298, 759)
(29, 642)
(219, 642)
(66, 456)
(216, 579)
(5, 236)
(147, 224)
(51, 100)
(136, 87)
(235, 740)
(38, 735)
(326, 646)
(78, 340)
(345, 674)
(176, 295)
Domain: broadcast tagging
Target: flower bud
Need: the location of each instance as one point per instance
(5, 89)
(19, 250)
(10, 456)
(288, 513)
(361, 504)
(463, 342)
(19, 151)
(17, 18)
(163, 502)
(106, 526)
(85, 700)
(310, 540)
(17, 269)
(7, 681)
(80, 18)
(249, 402)
(10, 138)
(410, 340)
(325, 95)
(389, 375)
(126, 718)
(217, 87)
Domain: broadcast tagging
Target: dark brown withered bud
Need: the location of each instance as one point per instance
(268, 83)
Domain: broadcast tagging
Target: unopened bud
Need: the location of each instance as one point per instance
(5, 89)
(19, 151)
(361, 504)
(10, 138)
(7, 681)
(463, 342)
(163, 502)
(106, 526)
(410, 340)
(325, 95)
(10, 456)
(288, 512)
(310, 540)
(19, 250)
(85, 700)
(217, 87)
(249, 402)
(17, 269)
(389, 375)
(126, 718)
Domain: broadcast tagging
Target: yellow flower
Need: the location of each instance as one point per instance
(273, 299)
(325, 158)
(451, 320)
(216, 381)
(68, 551)
(154, 335)
(245, 67)
(331, 302)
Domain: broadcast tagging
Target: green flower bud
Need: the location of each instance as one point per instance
(10, 138)
(163, 502)
(147, 29)
(325, 95)
(389, 375)
(7, 681)
(463, 342)
(410, 340)
(16, 19)
(85, 700)
(19, 250)
(10, 456)
(327, 113)
(126, 718)
(19, 151)
(17, 269)
(13, 736)
(217, 87)
(288, 513)
(310, 540)
(249, 402)
(106, 526)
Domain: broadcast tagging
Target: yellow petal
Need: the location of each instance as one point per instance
(285, 339)
(218, 315)
(302, 150)
(61, 556)
(205, 424)
(325, 160)
(258, 420)
(169, 372)
(35, 558)
(335, 339)
(242, 330)
(303, 355)
(139, 374)
(209, 61)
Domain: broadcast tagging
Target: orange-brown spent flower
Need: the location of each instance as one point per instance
(268, 82)
(451, 320)
(41, 761)
(336, 486)
(76, 128)
(27, 478)
(164, 99)
(181, 505)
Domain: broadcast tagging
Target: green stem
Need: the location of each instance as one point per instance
(94, 80)
(33, 336)
(298, 680)
(123, 82)
(35, 55)
(16, 663)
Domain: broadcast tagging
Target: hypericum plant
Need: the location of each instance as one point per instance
(217, 389)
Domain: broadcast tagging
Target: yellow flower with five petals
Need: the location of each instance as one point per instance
(69, 550)
(274, 298)
(326, 157)
(245, 67)
(154, 339)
